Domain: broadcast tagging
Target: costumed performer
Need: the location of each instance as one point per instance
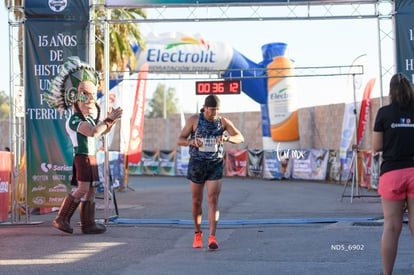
(75, 87)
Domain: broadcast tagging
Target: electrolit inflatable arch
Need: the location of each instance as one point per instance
(268, 82)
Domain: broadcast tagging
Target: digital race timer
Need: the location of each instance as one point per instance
(218, 87)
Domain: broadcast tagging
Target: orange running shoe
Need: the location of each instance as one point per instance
(198, 240)
(212, 242)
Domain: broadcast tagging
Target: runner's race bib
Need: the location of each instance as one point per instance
(208, 145)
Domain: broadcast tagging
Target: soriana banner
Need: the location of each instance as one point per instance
(54, 30)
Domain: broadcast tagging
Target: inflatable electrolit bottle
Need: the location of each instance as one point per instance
(282, 100)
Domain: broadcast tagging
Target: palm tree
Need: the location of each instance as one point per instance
(122, 36)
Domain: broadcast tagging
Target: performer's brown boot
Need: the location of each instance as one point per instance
(87, 216)
(62, 220)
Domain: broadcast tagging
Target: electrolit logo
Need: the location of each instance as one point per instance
(179, 52)
(281, 102)
(289, 153)
(158, 55)
(281, 94)
(170, 53)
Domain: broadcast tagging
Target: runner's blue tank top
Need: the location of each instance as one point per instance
(210, 132)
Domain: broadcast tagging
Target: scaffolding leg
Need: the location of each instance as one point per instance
(354, 157)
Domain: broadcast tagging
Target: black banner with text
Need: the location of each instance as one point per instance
(51, 35)
(404, 37)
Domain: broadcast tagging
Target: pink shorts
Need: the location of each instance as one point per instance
(397, 184)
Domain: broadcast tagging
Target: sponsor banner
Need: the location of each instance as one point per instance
(135, 169)
(366, 159)
(319, 163)
(129, 86)
(404, 37)
(116, 166)
(276, 166)
(181, 161)
(121, 176)
(183, 53)
(375, 171)
(167, 163)
(48, 42)
(120, 96)
(312, 165)
(236, 162)
(137, 122)
(347, 168)
(334, 166)
(150, 162)
(4, 184)
(348, 130)
(255, 163)
(302, 167)
(364, 113)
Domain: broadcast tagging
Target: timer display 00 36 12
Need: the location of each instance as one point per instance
(218, 87)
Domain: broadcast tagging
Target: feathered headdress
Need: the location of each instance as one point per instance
(64, 87)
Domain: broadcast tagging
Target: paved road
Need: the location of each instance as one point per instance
(266, 227)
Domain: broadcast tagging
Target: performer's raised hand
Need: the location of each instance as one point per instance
(115, 114)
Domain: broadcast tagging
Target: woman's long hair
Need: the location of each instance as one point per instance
(402, 92)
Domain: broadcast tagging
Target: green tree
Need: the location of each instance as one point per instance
(4, 105)
(163, 103)
(121, 35)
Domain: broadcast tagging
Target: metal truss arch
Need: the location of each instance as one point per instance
(382, 10)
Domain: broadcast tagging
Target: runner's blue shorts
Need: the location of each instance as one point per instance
(200, 171)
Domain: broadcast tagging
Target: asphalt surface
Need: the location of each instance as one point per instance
(266, 227)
